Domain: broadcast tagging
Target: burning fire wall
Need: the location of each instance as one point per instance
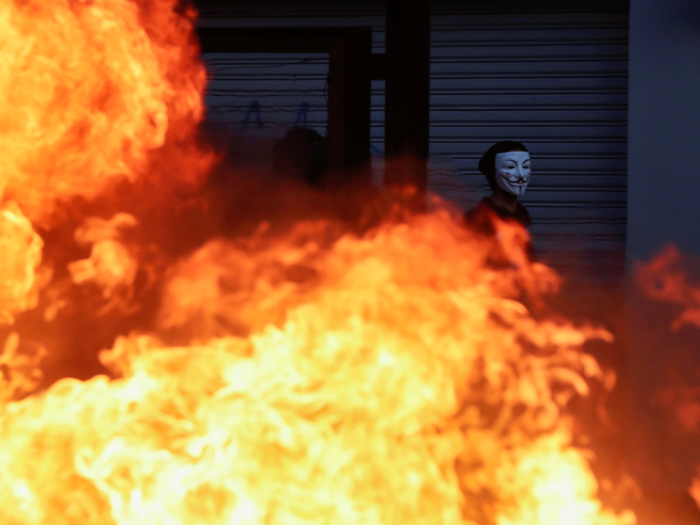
(392, 376)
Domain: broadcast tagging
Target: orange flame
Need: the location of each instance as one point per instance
(19, 266)
(111, 265)
(381, 388)
(322, 377)
(88, 90)
(695, 489)
(666, 279)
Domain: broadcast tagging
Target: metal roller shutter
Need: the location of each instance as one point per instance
(555, 81)
(257, 97)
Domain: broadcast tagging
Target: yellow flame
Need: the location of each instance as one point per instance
(21, 250)
(394, 378)
(384, 389)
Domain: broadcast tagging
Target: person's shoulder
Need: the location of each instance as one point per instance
(484, 204)
(484, 212)
(480, 217)
(522, 215)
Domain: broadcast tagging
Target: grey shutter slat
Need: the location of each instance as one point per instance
(555, 81)
(558, 83)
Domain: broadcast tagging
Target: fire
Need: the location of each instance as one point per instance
(88, 90)
(21, 248)
(111, 265)
(406, 375)
(381, 388)
(666, 279)
(695, 489)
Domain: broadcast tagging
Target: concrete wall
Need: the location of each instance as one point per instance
(663, 207)
(664, 126)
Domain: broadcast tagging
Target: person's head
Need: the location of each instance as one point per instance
(301, 154)
(506, 165)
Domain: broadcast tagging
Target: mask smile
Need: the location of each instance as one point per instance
(513, 171)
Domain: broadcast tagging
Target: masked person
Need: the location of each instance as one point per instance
(506, 166)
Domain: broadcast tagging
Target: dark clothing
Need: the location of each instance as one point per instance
(481, 220)
(475, 215)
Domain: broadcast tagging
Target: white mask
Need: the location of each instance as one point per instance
(513, 171)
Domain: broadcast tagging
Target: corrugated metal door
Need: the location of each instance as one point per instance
(555, 81)
(256, 97)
